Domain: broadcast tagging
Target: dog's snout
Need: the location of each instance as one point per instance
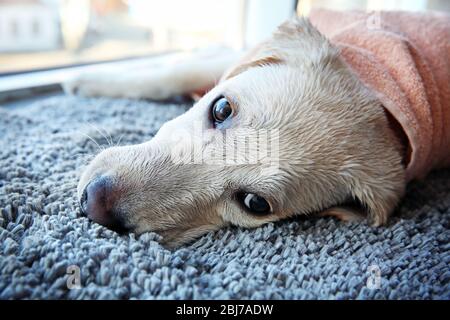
(98, 202)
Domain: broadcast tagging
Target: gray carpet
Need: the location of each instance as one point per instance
(42, 233)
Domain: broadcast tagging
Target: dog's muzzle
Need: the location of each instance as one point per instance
(98, 202)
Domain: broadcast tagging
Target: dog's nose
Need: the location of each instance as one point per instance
(98, 201)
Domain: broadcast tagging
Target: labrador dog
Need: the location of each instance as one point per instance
(296, 126)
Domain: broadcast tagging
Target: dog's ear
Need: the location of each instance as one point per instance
(377, 198)
(368, 196)
(251, 61)
(376, 211)
(296, 42)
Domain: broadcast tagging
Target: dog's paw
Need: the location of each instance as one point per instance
(87, 86)
(149, 87)
(79, 86)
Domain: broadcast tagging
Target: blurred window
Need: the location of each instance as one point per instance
(35, 27)
(14, 28)
(44, 34)
(41, 34)
(305, 6)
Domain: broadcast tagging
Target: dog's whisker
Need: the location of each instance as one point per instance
(102, 133)
(110, 141)
(120, 139)
(85, 159)
(93, 140)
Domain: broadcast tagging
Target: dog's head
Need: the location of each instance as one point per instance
(288, 131)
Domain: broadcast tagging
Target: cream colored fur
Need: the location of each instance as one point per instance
(335, 143)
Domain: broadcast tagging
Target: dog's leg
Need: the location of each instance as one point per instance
(194, 75)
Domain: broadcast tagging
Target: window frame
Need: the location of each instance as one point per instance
(25, 83)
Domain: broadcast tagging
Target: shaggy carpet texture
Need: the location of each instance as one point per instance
(47, 245)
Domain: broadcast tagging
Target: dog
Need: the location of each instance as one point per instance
(351, 122)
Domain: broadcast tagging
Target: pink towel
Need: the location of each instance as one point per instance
(404, 58)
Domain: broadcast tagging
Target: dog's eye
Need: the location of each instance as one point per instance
(221, 110)
(254, 204)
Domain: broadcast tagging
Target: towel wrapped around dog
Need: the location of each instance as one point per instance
(404, 58)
